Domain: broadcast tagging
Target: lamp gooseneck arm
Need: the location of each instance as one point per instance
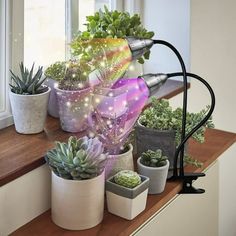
(180, 149)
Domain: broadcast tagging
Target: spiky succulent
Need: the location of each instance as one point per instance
(153, 158)
(77, 159)
(127, 178)
(28, 83)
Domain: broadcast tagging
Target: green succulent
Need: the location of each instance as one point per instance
(75, 77)
(28, 83)
(153, 158)
(127, 178)
(77, 159)
(111, 24)
(161, 116)
(56, 71)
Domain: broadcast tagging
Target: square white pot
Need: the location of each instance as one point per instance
(125, 202)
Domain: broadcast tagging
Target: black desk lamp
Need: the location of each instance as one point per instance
(138, 47)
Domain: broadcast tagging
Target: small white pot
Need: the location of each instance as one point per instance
(116, 163)
(77, 204)
(157, 176)
(29, 111)
(125, 202)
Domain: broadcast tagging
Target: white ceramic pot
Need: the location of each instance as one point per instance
(125, 202)
(29, 111)
(75, 108)
(77, 204)
(116, 163)
(157, 176)
(53, 109)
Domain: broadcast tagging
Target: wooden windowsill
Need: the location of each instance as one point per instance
(20, 154)
(216, 143)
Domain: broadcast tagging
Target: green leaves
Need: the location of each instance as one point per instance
(153, 158)
(111, 24)
(161, 116)
(27, 83)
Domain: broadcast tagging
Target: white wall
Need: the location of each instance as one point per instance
(170, 20)
(24, 199)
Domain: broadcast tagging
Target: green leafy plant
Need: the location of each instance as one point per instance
(56, 71)
(153, 158)
(161, 116)
(77, 159)
(111, 24)
(28, 83)
(127, 178)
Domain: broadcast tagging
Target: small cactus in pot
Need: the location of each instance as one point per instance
(127, 178)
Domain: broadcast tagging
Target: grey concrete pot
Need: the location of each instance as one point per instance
(53, 109)
(134, 199)
(29, 111)
(157, 176)
(152, 139)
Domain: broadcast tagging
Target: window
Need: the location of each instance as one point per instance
(38, 31)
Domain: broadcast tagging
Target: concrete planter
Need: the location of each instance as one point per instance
(77, 204)
(157, 176)
(29, 111)
(125, 202)
(74, 109)
(53, 109)
(116, 163)
(152, 139)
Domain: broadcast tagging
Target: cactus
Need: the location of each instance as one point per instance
(153, 158)
(28, 84)
(127, 178)
(78, 159)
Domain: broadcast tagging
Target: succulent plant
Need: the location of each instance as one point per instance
(75, 76)
(127, 178)
(161, 116)
(78, 159)
(153, 158)
(56, 71)
(112, 24)
(28, 83)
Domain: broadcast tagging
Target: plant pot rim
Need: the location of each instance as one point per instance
(122, 154)
(151, 167)
(31, 95)
(131, 193)
(78, 181)
(156, 130)
(72, 91)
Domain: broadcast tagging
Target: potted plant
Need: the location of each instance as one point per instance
(77, 183)
(29, 100)
(155, 166)
(126, 194)
(74, 97)
(159, 127)
(54, 73)
(112, 24)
